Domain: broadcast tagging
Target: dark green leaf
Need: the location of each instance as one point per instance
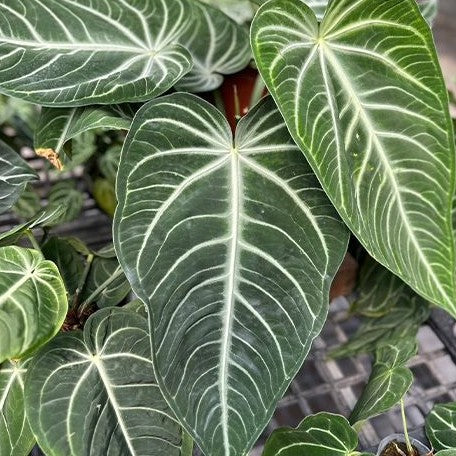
(94, 393)
(29, 203)
(357, 93)
(16, 437)
(231, 243)
(323, 434)
(109, 163)
(67, 259)
(441, 426)
(65, 194)
(73, 53)
(389, 381)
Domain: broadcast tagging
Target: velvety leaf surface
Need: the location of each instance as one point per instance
(364, 98)
(401, 322)
(16, 437)
(323, 434)
(73, 53)
(33, 301)
(232, 244)
(67, 259)
(57, 126)
(379, 290)
(94, 393)
(389, 381)
(65, 195)
(29, 203)
(106, 283)
(441, 426)
(218, 46)
(14, 176)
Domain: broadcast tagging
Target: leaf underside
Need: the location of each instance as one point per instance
(364, 98)
(231, 244)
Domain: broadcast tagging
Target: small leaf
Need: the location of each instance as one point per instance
(57, 127)
(94, 393)
(83, 147)
(65, 194)
(218, 47)
(357, 92)
(70, 53)
(323, 434)
(106, 284)
(389, 381)
(104, 193)
(14, 176)
(67, 259)
(231, 243)
(16, 437)
(29, 203)
(109, 163)
(402, 321)
(379, 290)
(441, 426)
(33, 301)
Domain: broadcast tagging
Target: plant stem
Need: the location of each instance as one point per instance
(100, 289)
(258, 90)
(219, 104)
(33, 240)
(82, 280)
(406, 434)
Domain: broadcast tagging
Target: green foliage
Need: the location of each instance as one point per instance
(389, 381)
(220, 237)
(357, 93)
(103, 382)
(324, 434)
(65, 195)
(33, 301)
(441, 425)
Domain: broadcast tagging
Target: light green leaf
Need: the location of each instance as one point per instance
(218, 46)
(33, 301)
(57, 127)
(239, 10)
(364, 98)
(401, 321)
(378, 290)
(449, 452)
(65, 194)
(231, 243)
(70, 53)
(441, 426)
(106, 284)
(104, 193)
(16, 437)
(324, 434)
(138, 307)
(67, 259)
(14, 176)
(109, 163)
(94, 393)
(29, 203)
(389, 381)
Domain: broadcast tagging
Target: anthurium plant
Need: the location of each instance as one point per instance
(227, 231)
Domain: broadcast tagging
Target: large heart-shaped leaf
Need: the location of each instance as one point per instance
(16, 437)
(233, 245)
(364, 98)
(389, 381)
(57, 126)
(94, 393)
(33, 301)
(14, 176)
(401, 322)
(323, 434)
(73, 53)
(441, 426)
(218, 46)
